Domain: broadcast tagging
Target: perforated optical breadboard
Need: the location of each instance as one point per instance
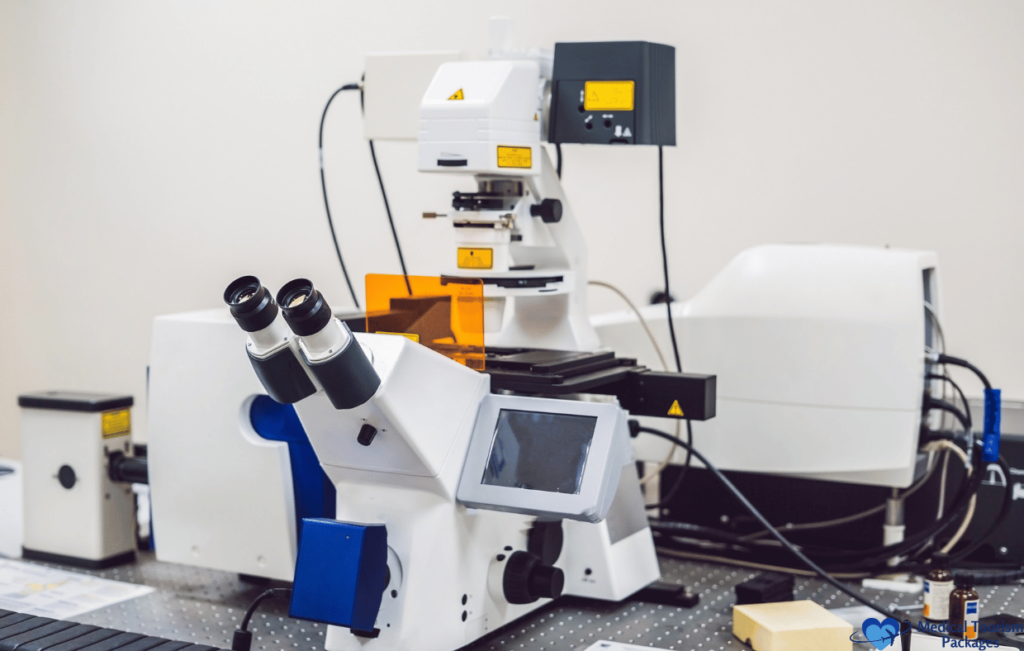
(204, 606)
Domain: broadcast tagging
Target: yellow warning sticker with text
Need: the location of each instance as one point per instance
(116, 423)
(521, 157)
(408, 335)
(457, 95)
(475, 258)
(608, 96)
(675, 409)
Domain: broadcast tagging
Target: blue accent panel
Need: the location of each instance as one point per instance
(314, 492)
(341, 573)
(993, 416)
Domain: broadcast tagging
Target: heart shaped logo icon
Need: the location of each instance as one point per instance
(881, 633)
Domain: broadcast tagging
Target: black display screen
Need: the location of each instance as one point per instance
(539, 451)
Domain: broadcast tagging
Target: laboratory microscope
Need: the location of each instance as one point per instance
(458, 510)
(415, 502)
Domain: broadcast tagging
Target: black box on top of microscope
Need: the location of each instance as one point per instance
(613, 92)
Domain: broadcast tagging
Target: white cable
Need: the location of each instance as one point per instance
(636, 311)
(942, 485)
(647, 478)
(949, 446)
(963, 527)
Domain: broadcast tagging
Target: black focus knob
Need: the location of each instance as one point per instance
(528, 579)
(549, 210)
(546, 582)
(545, 541)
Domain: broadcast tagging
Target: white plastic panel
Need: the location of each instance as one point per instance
(819, 355)
(222, 496)
(393, 88)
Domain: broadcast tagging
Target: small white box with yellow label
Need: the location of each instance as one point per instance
(74, 512)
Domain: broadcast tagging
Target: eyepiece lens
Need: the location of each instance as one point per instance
(250, 303)
(305, 309)
(244, 294)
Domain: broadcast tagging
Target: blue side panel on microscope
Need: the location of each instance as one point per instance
(341, 573)
(314, 492)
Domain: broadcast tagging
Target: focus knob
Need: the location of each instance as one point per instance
(549, 210)
(528, 579)
(545, 541)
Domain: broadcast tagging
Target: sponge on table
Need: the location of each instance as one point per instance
(790, 626)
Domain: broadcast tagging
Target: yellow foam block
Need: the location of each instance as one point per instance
(790, 626)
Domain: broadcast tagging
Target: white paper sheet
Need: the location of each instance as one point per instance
(38, 590)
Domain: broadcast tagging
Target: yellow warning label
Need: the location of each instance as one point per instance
(521, 157)
(116, 423)
(408, 335)
(675, 409)
(458, 95)
(476, 258)
(608, 96)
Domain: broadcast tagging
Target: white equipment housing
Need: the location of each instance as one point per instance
(74, 513)
(820, 354)
(438, 549)
(223, 497)
(475, 110)
(393, 85)
(236, 510)
(485, 118)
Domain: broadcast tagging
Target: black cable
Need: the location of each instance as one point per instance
(558, 160)
(678, 484)
(672, 327)
(956, 361)
(323, 186)
(664, 260)
(963, 399)
(993, 578)
(825, 576)
(871, 557)
(698, 531)
(242, 639)
(387, 208)
(1004, 512)
(936, 403)
(883, 553)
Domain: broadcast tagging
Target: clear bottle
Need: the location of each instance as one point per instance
(938, 585)
(964, 610)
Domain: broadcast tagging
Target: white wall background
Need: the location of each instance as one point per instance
(151, 152)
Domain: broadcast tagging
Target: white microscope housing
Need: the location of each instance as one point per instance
(517, 232)
(472, 493)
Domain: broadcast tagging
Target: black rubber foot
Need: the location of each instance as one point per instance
(253, 580)
(87, 563)
(367, 634)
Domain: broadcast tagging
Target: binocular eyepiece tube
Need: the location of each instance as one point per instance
(310, 317)
(323, 347)
(251, 304)
(279, 370)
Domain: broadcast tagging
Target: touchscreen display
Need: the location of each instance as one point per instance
(539, 451)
